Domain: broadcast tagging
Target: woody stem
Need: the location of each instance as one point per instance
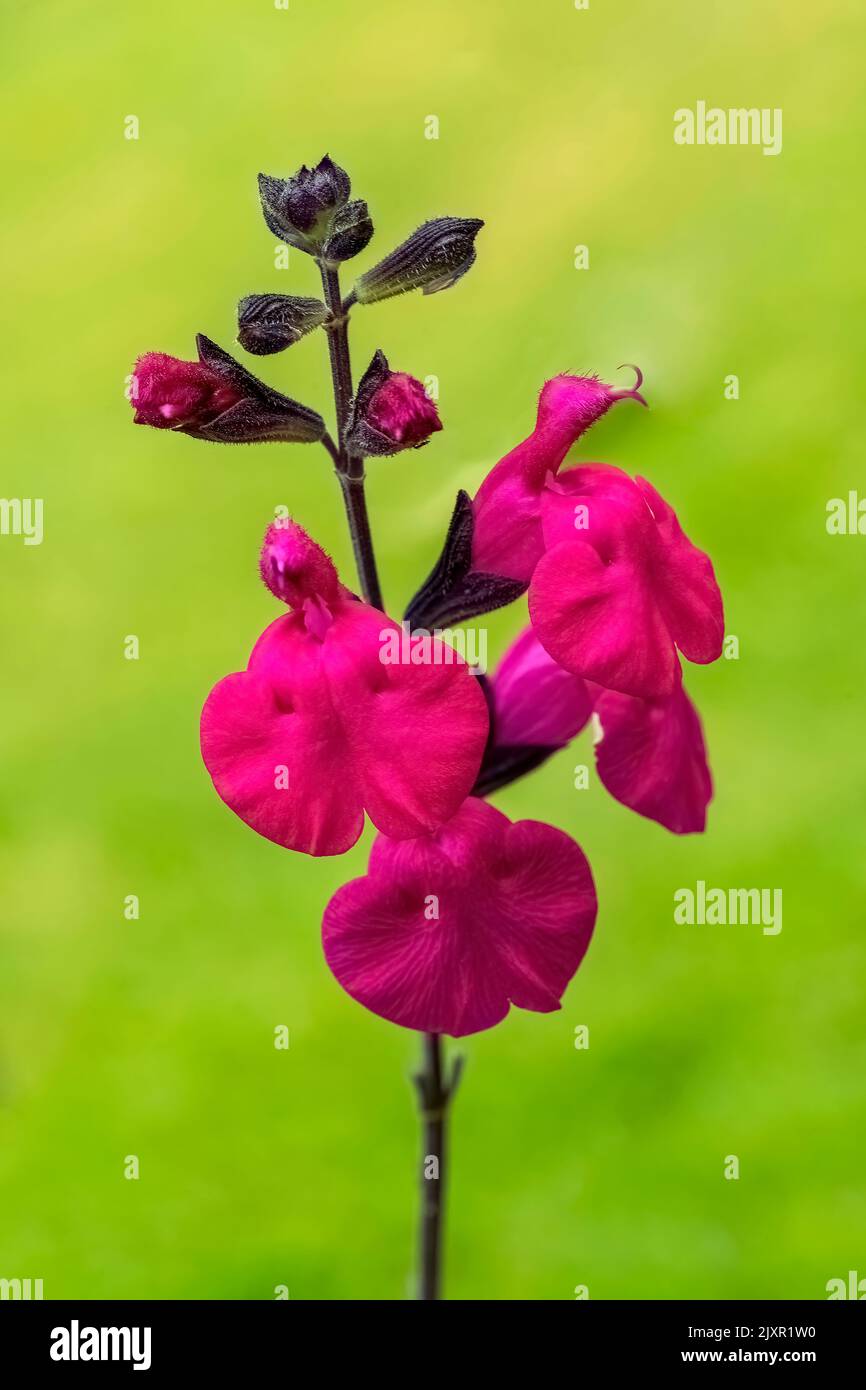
(434, 1093)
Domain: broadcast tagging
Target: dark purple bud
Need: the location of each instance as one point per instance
(300, 210)
(269, 323)
(350, 233)
(432, 259)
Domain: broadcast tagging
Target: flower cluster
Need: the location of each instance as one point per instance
(461, 913)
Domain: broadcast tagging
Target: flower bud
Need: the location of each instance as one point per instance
(432, 259)
(217, 399)
(268, 323)
(301, 209)
(350, 233)
(391, 412)
(169, 394)
(295, 568)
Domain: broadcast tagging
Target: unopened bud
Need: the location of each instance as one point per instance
(217, 399)
(351, 230)
(391, 412)
(269, 323)
(294, 567)
(301, 209)
(433, 258)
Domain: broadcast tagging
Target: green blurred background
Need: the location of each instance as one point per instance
(259, 1167)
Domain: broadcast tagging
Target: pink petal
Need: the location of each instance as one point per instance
(600, 619)
(536, 701)
(689, 594)
(416, 733)
(403, 741)
(598, 503)
(516, 908)
(653, 759)
(249, 733)
(507, 537)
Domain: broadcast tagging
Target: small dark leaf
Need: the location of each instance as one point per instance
(451, 593)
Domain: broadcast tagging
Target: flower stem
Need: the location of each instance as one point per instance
(362, 542)
(338, 347)
(432, 1169)
(350, 470)
(434, 1092)
(435, 1095)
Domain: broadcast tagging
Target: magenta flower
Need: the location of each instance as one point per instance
(616, 588)
(320, 728)
(507, 537)
(620, 587)
(445, 932)
(495, 541)
(650, 754)
(216, 399)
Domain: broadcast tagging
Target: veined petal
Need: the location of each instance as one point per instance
(416, 728)
(601, 620)
(652, 757)
(320, 727)
(536, 701)
(268, 759)
(688, 591)
(445, 932)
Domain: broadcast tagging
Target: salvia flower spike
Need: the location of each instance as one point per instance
(342, 714)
